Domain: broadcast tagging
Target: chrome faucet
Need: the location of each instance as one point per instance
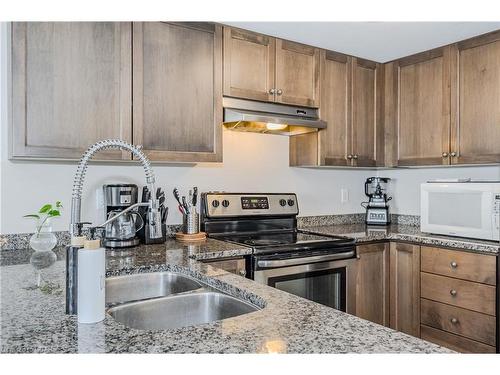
(154, 222)
(154, 216)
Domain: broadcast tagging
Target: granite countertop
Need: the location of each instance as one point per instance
(33, 319)
(408, 233)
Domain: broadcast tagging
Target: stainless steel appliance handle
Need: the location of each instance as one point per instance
(294, 262)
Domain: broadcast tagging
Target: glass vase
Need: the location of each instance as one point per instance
(43, 239)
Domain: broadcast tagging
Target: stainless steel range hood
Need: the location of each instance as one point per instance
(270, 118)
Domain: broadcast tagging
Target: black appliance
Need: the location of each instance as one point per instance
(377, 207)
(317, 267)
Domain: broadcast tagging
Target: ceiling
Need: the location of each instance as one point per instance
(377, 41)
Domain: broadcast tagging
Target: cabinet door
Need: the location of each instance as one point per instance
(297, 74)
(71, 87)
(372, 287)
(476, 121)
(364, 112)
(177, 90)
(424, 109)
(335, 109)
(405, 288)
(249, 61)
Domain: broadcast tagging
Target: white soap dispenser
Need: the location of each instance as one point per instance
(91, 280)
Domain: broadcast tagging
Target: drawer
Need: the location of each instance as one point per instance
(454, 342)
(460, 264)
(462, 322)
(461, 293)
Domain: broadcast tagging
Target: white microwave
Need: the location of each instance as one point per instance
(463, 209)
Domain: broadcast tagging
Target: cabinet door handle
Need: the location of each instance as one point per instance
(349, 156)
(453, 292)
(453, 154)
(454, 320)
(272, 91)
(242, 272)
(453, 264)
(355, 156)
(445, 154)
(279, 92)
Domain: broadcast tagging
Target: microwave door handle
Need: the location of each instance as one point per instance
(297, 261)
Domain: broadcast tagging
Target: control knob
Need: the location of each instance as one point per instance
(225, 203)
(282, 202)
(215, 203)
(291, 202)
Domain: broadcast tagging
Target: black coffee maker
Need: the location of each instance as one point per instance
(377, 207)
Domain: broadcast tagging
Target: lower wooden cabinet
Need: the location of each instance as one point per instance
(372, 286)
(408, 288)
(405, 288)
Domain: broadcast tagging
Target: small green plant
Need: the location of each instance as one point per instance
(47, 211)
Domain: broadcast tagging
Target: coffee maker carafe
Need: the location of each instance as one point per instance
(121, 232)
(377, 207)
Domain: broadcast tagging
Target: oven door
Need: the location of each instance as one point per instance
(331, 283)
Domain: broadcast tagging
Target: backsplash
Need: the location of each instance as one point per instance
(22, 240)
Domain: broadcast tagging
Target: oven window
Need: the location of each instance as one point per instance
(326, 287)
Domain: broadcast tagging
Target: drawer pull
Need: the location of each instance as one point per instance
(453, 292)
(453, 264)
(454, 320)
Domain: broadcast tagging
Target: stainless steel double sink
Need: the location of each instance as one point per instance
(168, 300)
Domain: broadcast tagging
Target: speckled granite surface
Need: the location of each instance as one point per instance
(33, 319)
(409, 233)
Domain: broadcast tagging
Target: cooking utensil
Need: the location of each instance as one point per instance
(184, 204)
(195, 196)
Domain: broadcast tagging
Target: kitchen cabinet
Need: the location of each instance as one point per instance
(177, 91)
(249, 61)
(351, 90)
(372, 286)
(405, 288)
(475, 112)
(232, 265)
(263, 68)
(458, 299)
(422, 105)
(71, 86)
(367, 77)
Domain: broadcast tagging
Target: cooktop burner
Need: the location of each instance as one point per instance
(289, 240)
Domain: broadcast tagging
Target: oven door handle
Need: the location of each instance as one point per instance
(297, 261)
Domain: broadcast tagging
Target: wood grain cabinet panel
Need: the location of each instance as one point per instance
(405, 288)
(372, 287)
(335, 108)
(470, 324)
(461, 293)
(476, 121)
(249, 64)
(177, 90)
(423, 131)
(297, 73)
(454, 342)
(480, 268)
(71, 87)
(364, 112)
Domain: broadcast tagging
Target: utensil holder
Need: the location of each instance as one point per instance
(191, 223)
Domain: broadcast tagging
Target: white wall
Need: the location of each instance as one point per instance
(252, 162)
(405, 183)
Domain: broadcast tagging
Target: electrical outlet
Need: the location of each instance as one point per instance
(344, 195)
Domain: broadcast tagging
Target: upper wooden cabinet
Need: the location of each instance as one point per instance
(351, 90)
(263, 68)
(476, 100)
(423, 106)
(335, 108)
(366, 78)
(249, 61)
(297, 74)
(177, 90)
(71, 86)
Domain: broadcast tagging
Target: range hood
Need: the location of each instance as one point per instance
(270, 118)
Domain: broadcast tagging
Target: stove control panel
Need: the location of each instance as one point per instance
(248, 204)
